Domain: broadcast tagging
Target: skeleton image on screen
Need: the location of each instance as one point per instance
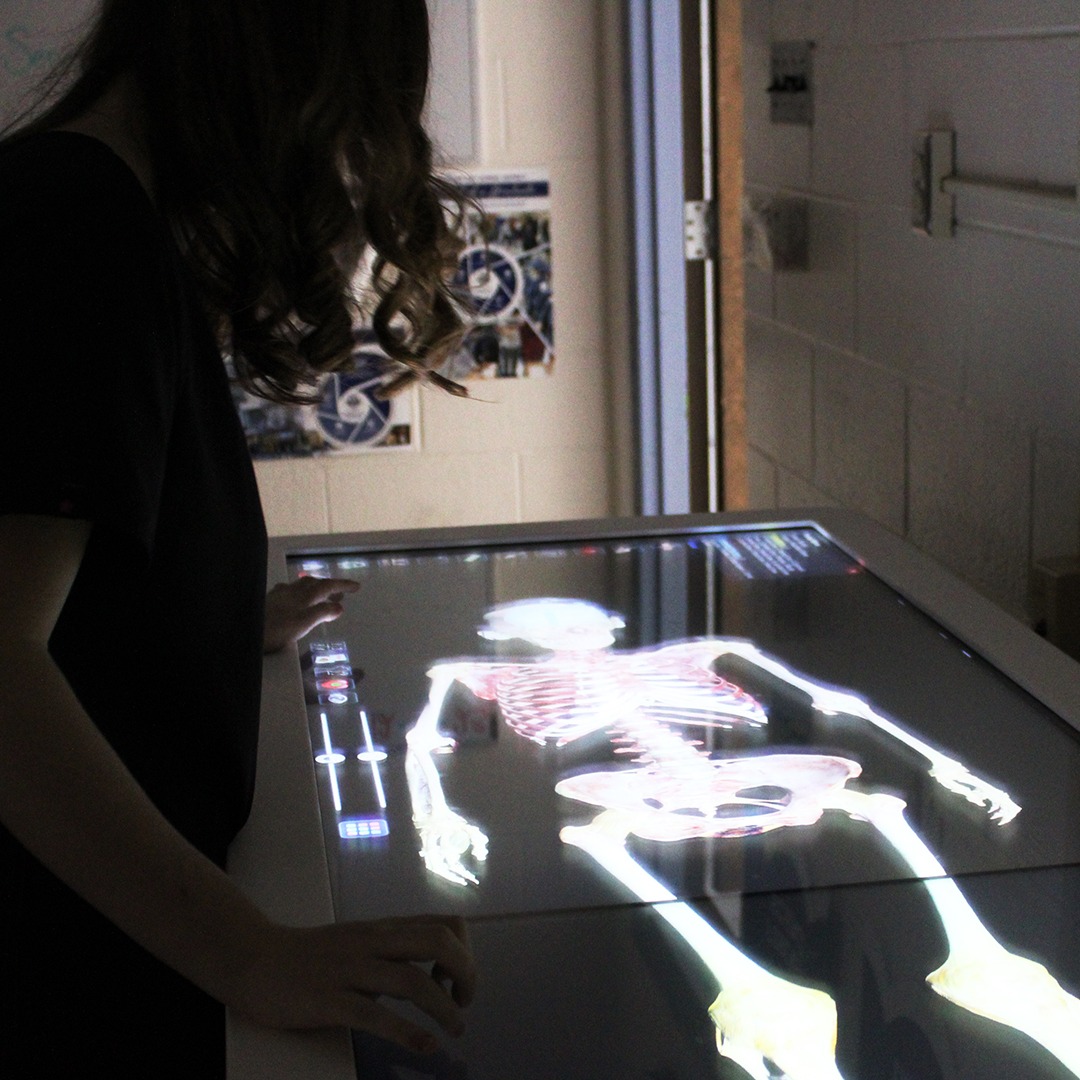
(671, 790)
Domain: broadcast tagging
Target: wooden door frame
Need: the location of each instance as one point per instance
(730, 277)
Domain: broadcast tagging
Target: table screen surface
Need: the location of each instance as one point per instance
(723, 647)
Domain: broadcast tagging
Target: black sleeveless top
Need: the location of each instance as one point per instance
(118, 411)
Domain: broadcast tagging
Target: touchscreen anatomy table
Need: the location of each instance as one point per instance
(720, 797)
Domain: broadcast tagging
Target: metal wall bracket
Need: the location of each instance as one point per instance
(699, 230)
(935, 185)
(933, 209)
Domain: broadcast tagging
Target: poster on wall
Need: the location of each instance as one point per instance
(350, 416)
(34, 34)
(505, 280)
(505, 272)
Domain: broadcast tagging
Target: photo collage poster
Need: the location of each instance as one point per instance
(505, 280)
(349, 417)
(505, 272)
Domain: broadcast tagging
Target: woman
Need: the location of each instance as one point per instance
(209, 182)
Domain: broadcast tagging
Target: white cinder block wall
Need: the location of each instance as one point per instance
(525, 449)
(934, 384)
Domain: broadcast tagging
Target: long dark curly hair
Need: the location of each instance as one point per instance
(291, 161)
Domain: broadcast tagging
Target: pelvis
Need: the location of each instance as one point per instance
(679, 799)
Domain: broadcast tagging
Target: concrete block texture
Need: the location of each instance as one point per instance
(763, 480)
(549, 482)
(293, 496)
(777, 155)
(389, 491)
(970, 494)
(945, 389)
(1056, 511)
(1014, 103)
(1023, 353)
(859, 436)
(760, 298)
(820, 302)
(539, 82)
(814, 20)
(914, 299)
(859, 146)
(889, 20)
(779, 395)
(794, 491)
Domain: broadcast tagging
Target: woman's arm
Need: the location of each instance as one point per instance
(70, 800)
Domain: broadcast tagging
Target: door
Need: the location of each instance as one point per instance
(686, 139)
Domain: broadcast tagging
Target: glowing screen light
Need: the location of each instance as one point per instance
(363, 828)
(675, 790)
(372, 757)
(335, 684)
(331, 759)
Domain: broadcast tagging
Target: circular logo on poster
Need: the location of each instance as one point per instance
(492, 277)
(349, 413)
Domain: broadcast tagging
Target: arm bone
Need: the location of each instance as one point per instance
(947, 771)
(445, 836)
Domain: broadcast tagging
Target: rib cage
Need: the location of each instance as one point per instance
(568, 695)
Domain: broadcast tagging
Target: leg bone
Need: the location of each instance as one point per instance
(759, 1016)
(980, 974)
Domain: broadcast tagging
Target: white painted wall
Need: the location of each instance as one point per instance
(934, 384)
(548, 93)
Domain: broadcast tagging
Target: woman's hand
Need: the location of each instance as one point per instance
(294, 609)
(335, 975)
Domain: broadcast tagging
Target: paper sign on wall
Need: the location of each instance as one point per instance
(506, 271)
(350, 417)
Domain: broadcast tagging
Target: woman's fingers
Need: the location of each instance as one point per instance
(348, 967)
(386, 1024)
(409, 982)
(314, 590)
(439, 941)
(295, 609)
